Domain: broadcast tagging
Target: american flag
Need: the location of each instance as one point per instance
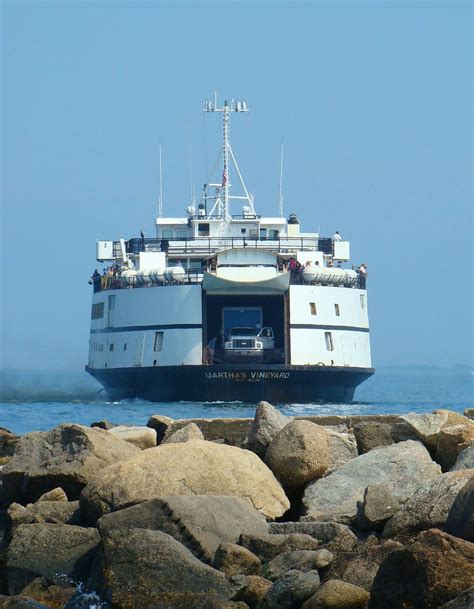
(224, 176)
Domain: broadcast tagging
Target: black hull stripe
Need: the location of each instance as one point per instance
(143, 328)
(327, 327)
(199, 326)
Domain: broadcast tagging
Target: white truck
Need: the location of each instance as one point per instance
(243, 341)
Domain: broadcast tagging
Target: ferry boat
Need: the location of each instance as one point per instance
(229, 307)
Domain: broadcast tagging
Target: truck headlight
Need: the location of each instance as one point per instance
(228, 345)
(259, 345)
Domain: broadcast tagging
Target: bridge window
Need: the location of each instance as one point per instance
(312, 307)
(203, 229)
(167, 234)
(329, 343)
(97, 310)
(362, 301)
(336, 309)
(111, 347)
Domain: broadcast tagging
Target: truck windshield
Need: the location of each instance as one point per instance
(243, 332)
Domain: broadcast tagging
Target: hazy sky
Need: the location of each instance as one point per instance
(373, 100)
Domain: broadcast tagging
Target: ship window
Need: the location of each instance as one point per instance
(362, 301)
(203, 229)
(167, 234)
(181, 234)
(111, 347)
(312, 307)
(97, 310)
(263, 233)
(158, 341)
(243, 231)
(111, 303)
(336, 309)
(329, 343)
(124, 346)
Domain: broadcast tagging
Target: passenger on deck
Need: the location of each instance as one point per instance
(164, 245)
(211, 349)
(336, 236)
(362, 270)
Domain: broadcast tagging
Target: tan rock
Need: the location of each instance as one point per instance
(143, 437)
(252, 589)
(452, 440)
(196, 467)
(56, 494)
(454, 418)
(186, 433)
(267, 423)
(299, 453)
(233, 559)
(160, 423)
(338, 594)
(426, 426)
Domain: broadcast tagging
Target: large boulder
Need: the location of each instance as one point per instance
(199, 522)
(465, 459)
(57, 494)
(68, 456)
(428, 508)
(401, 467)
(460, 520)
(426, 426)
(431, 570)
(160, 423)
(58, 552)
(338, 594)
(250, 589)
(372, 434)
(196, 467)
(233, 559)
(148, 564)
(267, 423)
(298, 453)
(143, 437)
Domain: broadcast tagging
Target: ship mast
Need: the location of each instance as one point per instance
(223, 196)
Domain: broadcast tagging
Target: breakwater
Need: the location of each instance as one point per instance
(269, 512)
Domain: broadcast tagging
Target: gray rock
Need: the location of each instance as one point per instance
(291, 590)
(104, 424)
(53, 512)
(59, 552)
(147, 564)
(428, 508)
(69, 456)
(341, 450)
(267, 423)
(460, 521)
(333, 536)
(298, 453)
(469, 413)
(377, 507)
(233, 559)
(452, 440)
(268, 546)
(199, 522)
(465, 459)
(402, 468)
(426, 426)
(360, 568)
(160, 424)
(142, 437)
(20, 602)
(250, 589)
(464, 601)
(188, 432)
(298, 560)
(372, 434)
(338, 594)
(196, 467)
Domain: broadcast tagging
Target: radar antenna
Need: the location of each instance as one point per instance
(222, 195)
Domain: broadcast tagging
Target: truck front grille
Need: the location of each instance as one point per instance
(243, 343)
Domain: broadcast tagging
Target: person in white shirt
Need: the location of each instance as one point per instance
(336, 236)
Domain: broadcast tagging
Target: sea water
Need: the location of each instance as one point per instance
(39, 402)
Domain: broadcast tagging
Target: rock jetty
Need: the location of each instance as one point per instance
(325, 512)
